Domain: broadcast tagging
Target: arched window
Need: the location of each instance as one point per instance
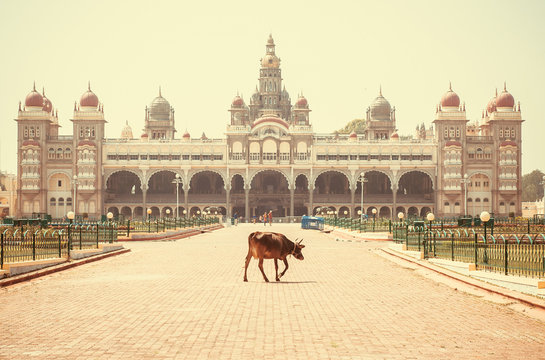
(446, 203)
(61, 201)
(67, 153)
(501, 133)
(456, 203)
(51, 153)
(52, 202)
(59, 153)
(479, 153)
(69, 201)
(478, 200)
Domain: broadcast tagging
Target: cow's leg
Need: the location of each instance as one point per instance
(276, 269)
(261, 268)
(248, 258)
(286, 268)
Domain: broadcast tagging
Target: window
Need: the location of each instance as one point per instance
(451, 132)
(37, 132)
(68, 201)
(501, 133)
(25, 132)
(512, 133)
(31, 133)
(143, 157)
(52, 202)
(59, 183)
(395, 157)
(457, 131)
(446, 203)
(61, 202)
(479, 153)
(196, 157)
(185, 157)
(67, 153)
(446, 133)
(133, 157)
(321, 157)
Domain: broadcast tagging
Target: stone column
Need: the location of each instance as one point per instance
(228, 201)
(311, 200)
(352, 200)
(246, 203)
(144, 201)
(185, 187)
(394, 191)
(292, 206)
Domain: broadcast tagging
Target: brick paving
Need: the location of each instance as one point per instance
(186, 299)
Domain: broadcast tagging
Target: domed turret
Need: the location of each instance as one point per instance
(34, 98)
(505, 100)
(88, 99)
(491, 106)
(450, 99)
(237, 102)
(301, 102)
(126, 133)
(48, 106)
(159, 108)
(380, 108)
(186, 135)
(270, 60)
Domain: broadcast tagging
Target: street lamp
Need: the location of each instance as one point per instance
(465, 181)
(400, 215)
(168, 212)
(149, 219)
(374, 211)
(485, 217)
(70, 215)
(110, 215)
(430, 218)
(177, 180)
(75, 183)
(362, 181)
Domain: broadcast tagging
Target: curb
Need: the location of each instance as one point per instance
(472, 282)
(174, 236)
(39, 273)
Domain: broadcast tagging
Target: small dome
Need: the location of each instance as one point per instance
(270, 61)
(301, 102)
(88, 98)
(491, 106)
(450, 99)
(380, 108)
(126, 133)
(505, 100)
(186, 135)
(508, 143)
(31, 143)
(144, 135)
(160, 108)
(353, 135)
(237, 101)
(203, 136)
(86, 143)
(34, 98)
(394, 136)
(48, 106)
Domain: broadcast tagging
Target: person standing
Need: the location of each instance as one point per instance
(236, 218)
(265, 218)
(270, 218)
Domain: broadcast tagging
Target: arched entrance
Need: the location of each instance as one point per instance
(161, 189)
(301, 196)
(123, 187)
(415, 187)
(332, 188)
(269, 191)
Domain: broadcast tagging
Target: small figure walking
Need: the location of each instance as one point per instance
(270, 218)
(236, 218)
(265, 218)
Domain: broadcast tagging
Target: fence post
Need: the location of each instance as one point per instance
(406, 237)
(528, 226)
(419, 240)
(98, 233)
(434, 245)
(60, 248)
(389, 225)
(452, 246)
(34, 247)
(157, 225)
(80, 237)
(475, 251)
(506, 255)
(2, 251)
(128, 227)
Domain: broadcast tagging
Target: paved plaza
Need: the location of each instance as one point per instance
(186, 299)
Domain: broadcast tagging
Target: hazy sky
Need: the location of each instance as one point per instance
(338, 55)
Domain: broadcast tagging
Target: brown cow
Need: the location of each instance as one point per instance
(270, 245)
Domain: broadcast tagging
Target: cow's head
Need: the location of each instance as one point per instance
(297, 250)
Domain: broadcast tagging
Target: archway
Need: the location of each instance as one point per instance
(400, 209)
(424, 211)
(114, 210)
(384, 212)
(126, 212)
(195, 211)
(138, 212)
(301, 195)
(344, 212)
(332, 182)
(412, 212)
(415, 186)
(269, 191)
(170, 212)
(161, 189)
(206, 182)
(237, 184)
(123, 187)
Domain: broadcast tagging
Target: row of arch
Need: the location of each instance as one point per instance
(164, 211)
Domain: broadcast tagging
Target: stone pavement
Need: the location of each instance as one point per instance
(186, 299)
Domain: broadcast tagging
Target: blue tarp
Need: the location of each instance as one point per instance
(312, 222)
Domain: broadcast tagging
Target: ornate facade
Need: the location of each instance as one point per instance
(270, 159)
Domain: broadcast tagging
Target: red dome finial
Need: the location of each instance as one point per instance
(34, 98)
(88, 99)
(450, 98)
(505, 99)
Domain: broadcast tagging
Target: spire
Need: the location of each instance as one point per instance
(380, 89)
(89, 85)
(160, 91)
(504, 86)
(449, 86)
(496, 92)
(34, 86)
(43, 91)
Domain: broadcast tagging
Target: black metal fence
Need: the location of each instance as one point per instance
(156, 225)
(506, 253)
(360, 225)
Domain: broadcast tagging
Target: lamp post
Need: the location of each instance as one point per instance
(362, 181)
(177, 180)
(400, 216)
(149, 219)
(70, 215)
(465, 181)
(110, 216)
(374, 215)
(430, 218)
(75, 184)
(168, 212)
(485, 217)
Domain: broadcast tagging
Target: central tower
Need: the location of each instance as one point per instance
(270, 98)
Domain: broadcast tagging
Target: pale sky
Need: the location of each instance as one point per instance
(202, 53)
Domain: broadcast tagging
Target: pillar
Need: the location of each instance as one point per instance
(292, 205)
(228, 201)
(144, 201)
(352, 200)
(185, 187)
(246, 203)
(394, 213)
(311, 200)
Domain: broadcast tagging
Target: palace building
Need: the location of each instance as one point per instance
(270, 159)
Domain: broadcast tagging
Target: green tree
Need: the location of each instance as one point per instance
(358, 125)
(532, 187)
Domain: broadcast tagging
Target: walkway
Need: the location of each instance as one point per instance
(186, 299)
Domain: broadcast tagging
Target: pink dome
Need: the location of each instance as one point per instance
(353, 134)
(88, 98)
(301, 102)
(508, 143)
(34, 98)
(453, 143)
(237, 101)
(505, 99)
(450, 98)
(491, 106)
(394, 136)
(144, 135)
(186, 135)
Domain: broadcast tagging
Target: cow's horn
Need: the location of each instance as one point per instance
(300, 241)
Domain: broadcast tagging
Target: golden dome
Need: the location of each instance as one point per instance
(270, 61)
